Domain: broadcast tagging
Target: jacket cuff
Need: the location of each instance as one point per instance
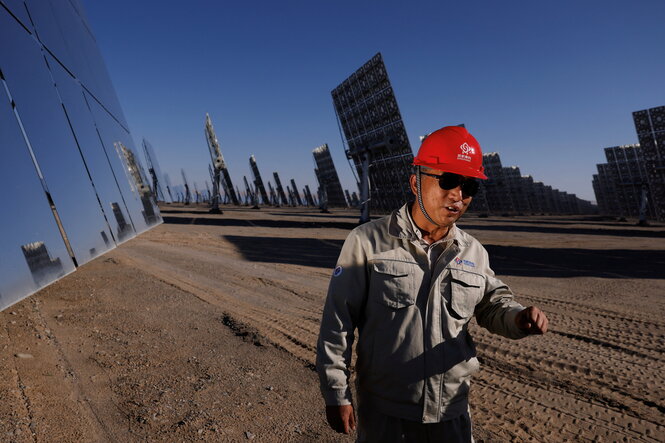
(509, 317)
(337, 397)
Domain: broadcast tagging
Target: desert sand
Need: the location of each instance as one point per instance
(204, 329)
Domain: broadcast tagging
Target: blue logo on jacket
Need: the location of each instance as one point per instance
(468, 263)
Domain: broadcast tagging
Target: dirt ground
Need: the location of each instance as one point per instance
(204, 329)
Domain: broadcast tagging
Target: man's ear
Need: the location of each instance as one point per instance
(412, 184)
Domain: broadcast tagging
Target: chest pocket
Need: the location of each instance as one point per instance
(393, 283)
(466, 292)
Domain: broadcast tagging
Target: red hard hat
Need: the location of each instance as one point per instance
(452, 149)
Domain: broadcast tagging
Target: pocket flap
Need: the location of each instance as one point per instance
(468, 279)
(392, 283)
(394, 268)
(466, 292)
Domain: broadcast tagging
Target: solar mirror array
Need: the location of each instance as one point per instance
(280, 190)
(376, 139)
(73, 187)
(258, 181)
(326, 174)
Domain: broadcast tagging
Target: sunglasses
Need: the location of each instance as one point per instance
(449, 180)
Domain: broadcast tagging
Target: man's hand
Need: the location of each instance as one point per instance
(341, 418)
(531, 320)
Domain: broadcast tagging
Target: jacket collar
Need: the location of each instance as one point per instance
(400, 226)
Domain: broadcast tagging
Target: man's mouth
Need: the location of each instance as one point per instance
(453, 209)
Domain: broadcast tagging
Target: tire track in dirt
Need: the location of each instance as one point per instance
(305, 298)
(102, 431)
(602, 367)
(619, 400)
(591, 311)
(553, 417)
(605, 344)
(631, 341)
(289, 279)
(276, 324)
(513, 394)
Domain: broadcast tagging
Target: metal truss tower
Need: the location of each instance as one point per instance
(219, 165)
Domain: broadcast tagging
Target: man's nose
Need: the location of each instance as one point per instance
(456, 193)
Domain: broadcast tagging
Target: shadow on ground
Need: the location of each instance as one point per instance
(624, 232)
(317, 215)
(323, 221)
(505, 260)
(295, 251)
(571, 262)
(266, 223)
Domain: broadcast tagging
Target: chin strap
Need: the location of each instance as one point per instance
(420, 199)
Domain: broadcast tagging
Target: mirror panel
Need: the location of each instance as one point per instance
(49, 135)
(32, 252)
(126, 166)
(96, 160)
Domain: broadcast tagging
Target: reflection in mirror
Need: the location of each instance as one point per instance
(137, 176)
(90, 145)
(105, 238)
(26, 218)
(112, 135)
(125, 230)
(44, 269)
(155, 172)
(50, 140)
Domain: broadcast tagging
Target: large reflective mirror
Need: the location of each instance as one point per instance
(47, 29)
(32, 252)
(96, 160)
(17, 8)
(135, 187)
(55, 150)
(65, 33)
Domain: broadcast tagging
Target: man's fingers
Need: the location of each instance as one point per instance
(349, 418)
(335, 417)
(352, 421)
(543, 325)
(341, 418)
(532, 320)
(540, 320)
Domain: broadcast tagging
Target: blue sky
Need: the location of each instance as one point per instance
(546, 84)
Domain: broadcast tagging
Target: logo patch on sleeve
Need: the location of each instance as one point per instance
(337, 272)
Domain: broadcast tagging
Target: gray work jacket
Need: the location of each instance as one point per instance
(415, 354)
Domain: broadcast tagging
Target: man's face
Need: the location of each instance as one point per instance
(445, 207)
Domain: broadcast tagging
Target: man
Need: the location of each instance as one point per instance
(410, 283)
